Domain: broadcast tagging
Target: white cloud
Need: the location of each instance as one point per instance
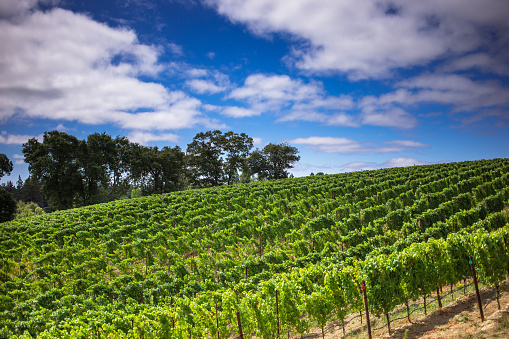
(62, 65)
(370, 38)
(144, 138)
(257, 141)
(358, 166)
(349, 146)
(462, 93)
(239, 112)
(480, 61)
(394, 162)
(291, 99)
(203, 86)
(403, 162)
(280, 90)
(206, 81)
(342, 119)
(11, 8)
(407, 143)
(18, 156)
(392, 117)
(294, 100)
(175, 49)
(304, 116)
(16, 139)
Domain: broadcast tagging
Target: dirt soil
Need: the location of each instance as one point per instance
(457, 319)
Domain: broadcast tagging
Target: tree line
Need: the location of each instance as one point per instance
(72, 172)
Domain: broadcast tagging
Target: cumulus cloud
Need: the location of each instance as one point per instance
(257, 141)
(205, 81)
(391, 117)
(239, 112)
(468, 100)
(482, 61)
(294, 100)
(16, 139)
(290, 99)
(350, 146)
(144, 138)
(203, 86)
(459, 91)
(13, 8)
(62, 65)
(371, 38)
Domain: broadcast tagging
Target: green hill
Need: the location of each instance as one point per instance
(156, 267)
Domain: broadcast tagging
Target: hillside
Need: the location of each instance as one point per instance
(157, 266)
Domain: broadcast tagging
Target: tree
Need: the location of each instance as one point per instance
(5, 165)
(120, 175)
(24, 210)
(279, 158)
(7, 202)
(214, 158)
(158, 171)
(55, 163)
(236, 149)
(203, 159)
(273, 161)
(97, 160)
(257, 164)
(31, 192)
(7, 206)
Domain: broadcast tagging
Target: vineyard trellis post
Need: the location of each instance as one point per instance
(172, 318)
(479, 302)
(438, 297)
(239, 323)
(366, 307)
(277, 312)
(217, 323)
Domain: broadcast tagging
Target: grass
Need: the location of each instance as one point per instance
(504, 321)
(462, 318)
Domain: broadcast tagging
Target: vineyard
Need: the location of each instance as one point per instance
(275, 256)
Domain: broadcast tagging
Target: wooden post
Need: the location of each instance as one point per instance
(239, 323)
(479, 302)
(277, 312)
(217, 323)
(366, 308)
(438, 296)
(425, 311)
(497, 286)
(172, 319)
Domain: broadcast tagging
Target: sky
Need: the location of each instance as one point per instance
(354, 85)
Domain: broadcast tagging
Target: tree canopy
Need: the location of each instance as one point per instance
(73, 172)
(273, 161)
(5, 165)
(7, 202)
(214, 158)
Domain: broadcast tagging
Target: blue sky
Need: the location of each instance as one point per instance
(354, 85)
